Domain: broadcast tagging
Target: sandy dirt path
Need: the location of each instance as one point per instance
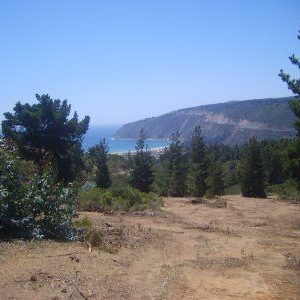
(247, 250)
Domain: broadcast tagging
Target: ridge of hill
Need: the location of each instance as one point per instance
(232, 122)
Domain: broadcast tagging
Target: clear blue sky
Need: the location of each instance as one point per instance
(120, 61)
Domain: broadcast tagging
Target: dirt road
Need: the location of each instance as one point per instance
(247, 250)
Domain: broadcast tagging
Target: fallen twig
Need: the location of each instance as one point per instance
(172, 231)
(58, 255)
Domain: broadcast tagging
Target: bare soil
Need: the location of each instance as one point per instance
(249, 249)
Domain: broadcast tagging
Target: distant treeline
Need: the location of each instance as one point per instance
(195, 169)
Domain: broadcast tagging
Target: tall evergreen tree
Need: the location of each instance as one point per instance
(142, 175)
(273, 161)
(252, 174)
(215, 181)
(44, 133)
(177, 166)
(276, 174)
(162, 176)
(294, 149)
(198, 168)
(99, 157)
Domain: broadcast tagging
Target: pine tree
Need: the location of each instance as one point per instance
(142, 175)
(198, 169)
(162, 175)
(276, 175)
(177, 166)
(45, 134)
(252, 174)
(294, 149)
(215, 182)
(99, 157)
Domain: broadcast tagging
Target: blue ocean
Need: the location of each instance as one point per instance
(95, 133)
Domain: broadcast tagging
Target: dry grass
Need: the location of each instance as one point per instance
(217, 203)
(293, 261)
(247, 249)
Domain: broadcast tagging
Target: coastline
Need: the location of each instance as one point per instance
(117, 145)
(148, 139)
(156, 151)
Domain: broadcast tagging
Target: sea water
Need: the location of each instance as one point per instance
(96, 133)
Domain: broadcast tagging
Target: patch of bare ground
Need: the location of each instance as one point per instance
(246, 249)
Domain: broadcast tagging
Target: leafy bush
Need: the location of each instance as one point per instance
(83, 223)
(285, 191)
(233, 190)
(38, 209)
(117, 197)
(48, 209)
(11, 189)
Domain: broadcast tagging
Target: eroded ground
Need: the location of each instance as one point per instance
(248, 250)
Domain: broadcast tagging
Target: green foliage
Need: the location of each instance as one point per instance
(48, 209)
(117, 197)
(27, 169)
(214, 181)
(162, 182)
(231, 172)
(285, 191)
(11, 189)
(177, 166)
(275, 160)
(294, 160)
(69, 167)
(233, 190)
(224, 165)
(120, 179)
(83, 223)
(98, 154)
(142, 175)
(40, 209)
(252, 174)
(198, 167)
(294, 150)
(117, 164)
(44, 134)
(276, 169)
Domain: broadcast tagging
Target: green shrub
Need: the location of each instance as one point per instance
(48, 209)
(285, 191)
(11, 190)
(233, 190)
(83, 223)
(40, 208)
(209, 194)
(124, 198)
(93, 196)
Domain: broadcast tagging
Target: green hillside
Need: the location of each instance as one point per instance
(230, 122)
